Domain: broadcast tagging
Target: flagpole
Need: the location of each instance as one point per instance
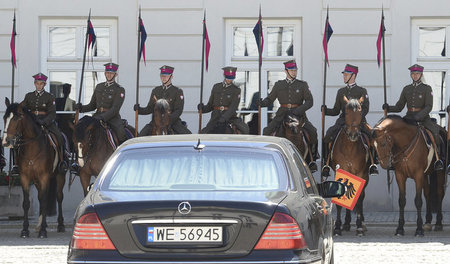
(13, 63)
(384, 61)
(200, 111)
(77, 112)
(259, 68)
(323, 161)
(136, 121)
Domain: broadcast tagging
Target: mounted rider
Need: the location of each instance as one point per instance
(107, 99)
(344, 94)
(418, 98)
(174, 97)
(42, 104)
(295, 98)
(223, 102)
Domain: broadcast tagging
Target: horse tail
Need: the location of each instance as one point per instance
(51, 197)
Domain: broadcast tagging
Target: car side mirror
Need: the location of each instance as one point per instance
(329, 189)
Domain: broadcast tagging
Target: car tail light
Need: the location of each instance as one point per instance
(89, 234)
(282, 232)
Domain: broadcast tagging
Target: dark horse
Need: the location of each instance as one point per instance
(403, 146)
(347, 154)
(161, 118)
(292, 129)
(93, 148)
(37, 160)
(225, 128)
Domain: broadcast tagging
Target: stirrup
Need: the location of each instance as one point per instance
(312, 166)
(373, 169)
(326, 171)
(63, 166)
(438, 165)
(15, 171)
(75, 168)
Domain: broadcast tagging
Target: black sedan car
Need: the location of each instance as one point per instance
(205, 199)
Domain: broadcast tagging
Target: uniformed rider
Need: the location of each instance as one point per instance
(294, 97)
(223, 102)
(42, 104)
(107, 99)
(350, 91)
(418, 98)
(174, 97)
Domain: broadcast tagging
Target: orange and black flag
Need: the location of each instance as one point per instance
(354, 185)
(380, 38)
(12, 43)
(328, 31)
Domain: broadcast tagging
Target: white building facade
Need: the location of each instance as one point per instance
(50, 39)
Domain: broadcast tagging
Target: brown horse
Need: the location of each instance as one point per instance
(403, 146)
(37, 160)
(93, 148)
(161, 118)
(348, 154)
(293, 131)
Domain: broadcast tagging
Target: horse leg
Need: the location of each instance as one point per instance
(85, 179)
(61, 180)
(401, 182)
(338, 223)
(440, 178)
(418, 202)
(26, 207)
(42, 195)
(348, 220)
(360, 227)
(428, 202)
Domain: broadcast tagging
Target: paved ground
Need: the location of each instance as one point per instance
(379, 245)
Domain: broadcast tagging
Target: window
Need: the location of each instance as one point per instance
(281, 43)
(184, 168)
(430, 38)
(62, 56)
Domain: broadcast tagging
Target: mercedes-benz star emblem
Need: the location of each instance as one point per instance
(184, 208)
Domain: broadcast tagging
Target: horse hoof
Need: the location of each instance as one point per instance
(364, 227)
(427, 227)
(438, 228)
(400, 232)
(337, 232)
(346, 227)
(419, 233)
(360, 232)
(25, 234)
(61, 229)
(42, 234)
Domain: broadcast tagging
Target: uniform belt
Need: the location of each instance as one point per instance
(39, 112)
(102, 109)
(221, 108)
(290, 105)
(414, 109)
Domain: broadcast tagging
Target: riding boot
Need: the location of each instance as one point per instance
(312, 165)
(438, 165)
(75, 168)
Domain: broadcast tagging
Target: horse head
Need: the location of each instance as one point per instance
(353, 118)
(19, 123)
(292, 123)
(383, 140)
(161, 117)
(85, 135)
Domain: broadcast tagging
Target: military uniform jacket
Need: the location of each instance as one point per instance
(351, 92)
(174, 97)
(295, 92)
(226, 96)
(417, 96)
(41, 102)
(107, 99)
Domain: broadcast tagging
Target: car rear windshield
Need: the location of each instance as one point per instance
(185, 168)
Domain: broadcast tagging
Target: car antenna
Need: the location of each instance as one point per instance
(199, 146)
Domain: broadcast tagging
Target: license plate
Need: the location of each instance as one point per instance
(212, 234)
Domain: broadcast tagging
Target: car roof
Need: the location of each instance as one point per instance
(216, 139)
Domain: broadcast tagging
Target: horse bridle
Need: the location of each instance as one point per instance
(17, 140)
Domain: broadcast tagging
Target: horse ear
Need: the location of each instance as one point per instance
(346, 99)
(7, 102)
